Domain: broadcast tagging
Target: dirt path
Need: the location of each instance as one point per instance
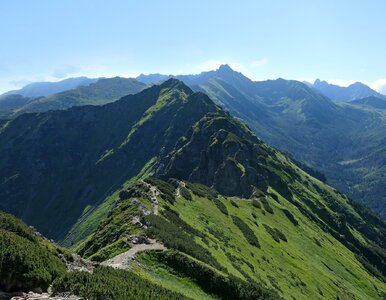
(122, 261)
(153, 198)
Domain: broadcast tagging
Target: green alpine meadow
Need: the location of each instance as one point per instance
(198, 150)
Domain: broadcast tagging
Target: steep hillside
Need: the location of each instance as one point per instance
(28, 261)
(343, 141)
(252, 216)
(62, 163)
(101, 92)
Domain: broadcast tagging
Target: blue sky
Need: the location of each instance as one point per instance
(341, 41)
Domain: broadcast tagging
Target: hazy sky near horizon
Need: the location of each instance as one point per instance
(339, 41)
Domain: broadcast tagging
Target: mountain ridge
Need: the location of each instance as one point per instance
(102, 91)
(79, 144)
(167, 166)
(338, 93)
(330, 137)
(46, 88)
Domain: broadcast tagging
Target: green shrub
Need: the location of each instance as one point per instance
(221, 206)
(247, 231)
(202, 191)
(266, 205)
(174, 217)
(26, 264)
(290, 217)
(256, 203)
(211, 281)
(276, 234)
(175, 237)
(11, 224)
(275, 197)
(167, 190)
(111, 284)
(234, 203)
(110, 251)
(124, 194)
(370, 267)
(117, 223)
(185, 193)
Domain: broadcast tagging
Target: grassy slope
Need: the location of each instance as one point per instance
(164, 275)
(300, 267)
(311, 265)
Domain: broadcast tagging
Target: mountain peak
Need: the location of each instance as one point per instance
(177, 84)
(320, 82)
(225, 68)
(317, 81)
(359, 84)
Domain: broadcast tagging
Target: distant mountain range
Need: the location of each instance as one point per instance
(97, 92)
(38, 89)
(40, 96)
(337, 93)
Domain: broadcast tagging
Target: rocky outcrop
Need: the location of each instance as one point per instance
(220, 152)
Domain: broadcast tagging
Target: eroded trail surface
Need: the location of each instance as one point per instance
(154, 194)
(141, 243)
(122, 261)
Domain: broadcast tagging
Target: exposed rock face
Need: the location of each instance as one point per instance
(219, 152)
(79, 264)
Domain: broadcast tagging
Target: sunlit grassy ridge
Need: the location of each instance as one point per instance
(287, 265)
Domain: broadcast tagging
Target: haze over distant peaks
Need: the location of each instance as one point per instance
(338, 93)
(102, 91)
(37, 89)
(195, 79)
